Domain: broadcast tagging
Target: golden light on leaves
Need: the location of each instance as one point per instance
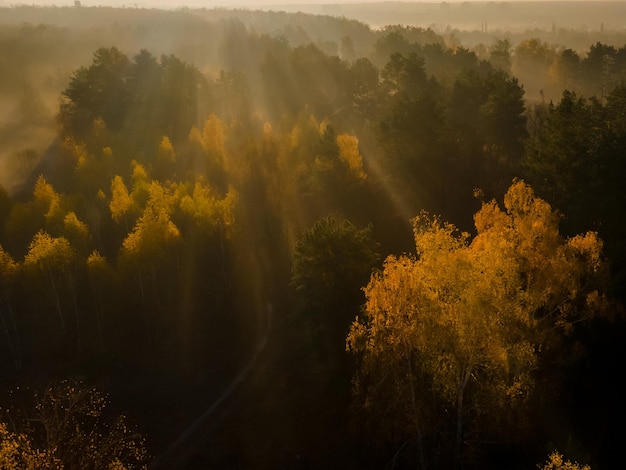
(475, 310)
(47, 252)
(121, 203)
(48, 199)
(349, 153)
(556, 461)
(165, 151)
(214, 136)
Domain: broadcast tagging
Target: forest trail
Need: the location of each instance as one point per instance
(178, 454)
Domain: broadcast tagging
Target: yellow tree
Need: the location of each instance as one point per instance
(164, 167)
(350, 154)
(122, 204)
(214, 141)
(140, 184)
(48, 201)
(556, 461)
(53, 258)
(214, 137)
(192, 162)
(8, 271)
(17, 452)
(100, 275)
(68, 427)
(212, 216)
(460, 326)
(210, 212)
(146, 247)
(76, 232)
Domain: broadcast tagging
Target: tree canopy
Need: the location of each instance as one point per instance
(457, 332)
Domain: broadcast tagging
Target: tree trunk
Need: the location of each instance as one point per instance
(421, 456)
(79, 343)
(143, 302)
(57, 301)
(12, 347)
(96, 293)
(458, 441)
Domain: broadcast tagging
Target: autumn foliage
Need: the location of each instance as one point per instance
(457, 332)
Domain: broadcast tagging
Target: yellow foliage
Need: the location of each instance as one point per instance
(82, 157)
(96, 262)
(349, 153)
(166, 152)
(207, 210)
(8, 267)
(195, 138)
(588, 246)
(47, 199)
(140, 175)
(556, 461)
(154, 229)
(48, 252)
(75, 228)
(17, 453)
(476, 309)
(121, 201)
(214, 135)
(68, 423)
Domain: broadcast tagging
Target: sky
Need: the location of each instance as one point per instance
(264, 4)
(232, 3)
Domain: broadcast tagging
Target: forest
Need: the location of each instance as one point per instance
(250, 239)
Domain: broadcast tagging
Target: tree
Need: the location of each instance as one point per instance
(531, 64)
(141, 184)
(215, 165)
(164, 167)
(598, 70)
(364, 86)
(211, 223)
(565, 69)
(177, 101)
(100, 275)
(556, 461)
(349, 153)
(122, 204)
(17, 452)
(92, 171)
(48, 201)
(97, 91)
(77, 232)
(500, 55)
(52, 258)
(455, 333)
(8, 270)
(68, 428)
(405, 75)
(24, 162)
(150, 244)
(331, 261)
(575, 160)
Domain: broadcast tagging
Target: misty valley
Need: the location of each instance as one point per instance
(357, 236)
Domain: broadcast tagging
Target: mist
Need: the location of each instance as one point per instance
(312, 235)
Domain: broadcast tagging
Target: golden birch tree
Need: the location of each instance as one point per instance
(458, 329)
(52, 258)
(149, 245)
